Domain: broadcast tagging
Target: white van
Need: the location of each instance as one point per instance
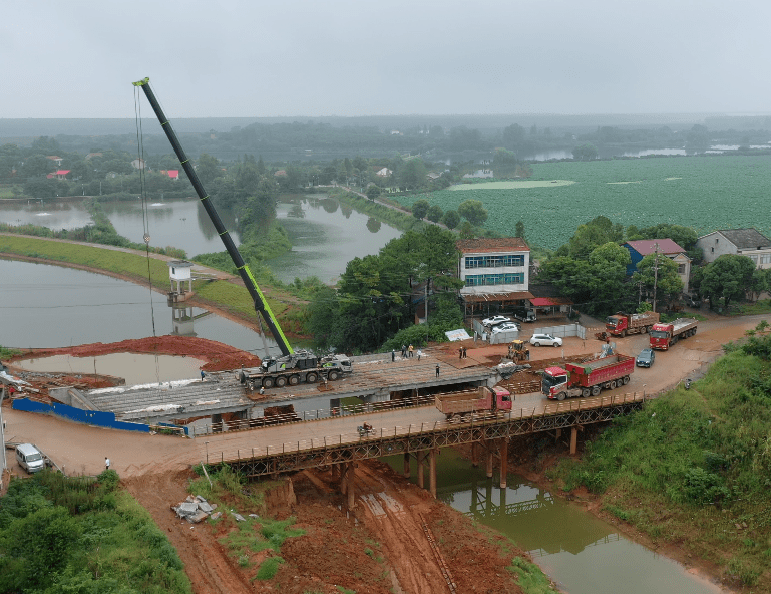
(29, 457)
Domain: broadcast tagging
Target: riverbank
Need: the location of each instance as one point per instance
(219, 292)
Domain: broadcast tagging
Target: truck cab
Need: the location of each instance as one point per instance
(616, 324)
(661, 335)
(553, 381)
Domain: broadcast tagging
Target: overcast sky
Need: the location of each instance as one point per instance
(358, 57)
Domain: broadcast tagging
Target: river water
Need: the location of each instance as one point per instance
(581, 553)
(51, 306)
(325, 233)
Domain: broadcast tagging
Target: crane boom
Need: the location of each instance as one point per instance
(260, 303)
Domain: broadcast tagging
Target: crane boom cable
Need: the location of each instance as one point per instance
(145, 214)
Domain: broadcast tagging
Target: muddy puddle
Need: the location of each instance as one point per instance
(133, 367)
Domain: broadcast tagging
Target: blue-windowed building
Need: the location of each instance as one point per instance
(495, 273)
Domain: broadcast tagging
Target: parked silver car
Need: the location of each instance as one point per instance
(545, 340)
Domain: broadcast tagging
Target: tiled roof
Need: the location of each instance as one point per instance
(483, 297)
(746, 239)
(498, 244)
(645, 247)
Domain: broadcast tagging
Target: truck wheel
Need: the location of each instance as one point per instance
(561, 396)
(627, 379)
(280, 382)
(311, 377)
(294, 380)
(623, 334)
(585, 393)
(333, 375)
(596, 390)
(267, 382)
(644, 329)
(613, 384)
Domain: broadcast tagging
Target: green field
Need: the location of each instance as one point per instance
(705, 193)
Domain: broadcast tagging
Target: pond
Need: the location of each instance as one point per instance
(50, 306)
(325, 233)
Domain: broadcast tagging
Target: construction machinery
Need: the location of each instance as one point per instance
(518, 351)
(260, 303)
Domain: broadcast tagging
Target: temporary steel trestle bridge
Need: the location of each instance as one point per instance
(493, 433)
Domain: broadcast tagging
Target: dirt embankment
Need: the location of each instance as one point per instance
(398, 539)
(219, 356)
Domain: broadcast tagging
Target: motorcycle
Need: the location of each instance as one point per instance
(365, 430)
(688, 384)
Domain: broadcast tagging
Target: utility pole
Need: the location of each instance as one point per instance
(655, 275)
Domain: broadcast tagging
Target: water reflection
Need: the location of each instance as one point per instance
(50, 306)
(373, 225)
(326, 238)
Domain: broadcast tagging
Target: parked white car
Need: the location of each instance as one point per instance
(545, 340)
(505, 327)
(495, 320)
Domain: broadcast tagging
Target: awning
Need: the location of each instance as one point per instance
(492, 297)
(549, 301)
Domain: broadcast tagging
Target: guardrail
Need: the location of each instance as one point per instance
(414, 429)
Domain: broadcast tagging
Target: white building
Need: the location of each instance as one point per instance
(495, 273)
(742, 242)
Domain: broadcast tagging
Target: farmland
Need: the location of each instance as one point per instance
(705, 193)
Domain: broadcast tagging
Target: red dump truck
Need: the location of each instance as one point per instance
(460, 406)
(666, 335)
(587, 379)
(622, 323)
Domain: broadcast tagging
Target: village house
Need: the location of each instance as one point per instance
(171, 173)
(742, 242)
(638, 249)
(495, 274)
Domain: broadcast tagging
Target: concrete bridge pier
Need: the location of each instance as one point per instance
(489, 461)
(421, 456)
(406, 465)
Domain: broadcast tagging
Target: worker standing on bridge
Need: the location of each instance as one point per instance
(437, 370)
(203, 375)
(393, 355)
(412, 354)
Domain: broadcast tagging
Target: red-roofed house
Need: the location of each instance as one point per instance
(62, 174)
(495, 273)
(638, 249)
(171, 174)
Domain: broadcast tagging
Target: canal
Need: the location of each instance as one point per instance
(580, 552)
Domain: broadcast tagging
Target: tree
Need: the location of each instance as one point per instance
(759, 282)
(373, 192)
(513, 134)
(412, 174)
(585, 152)
(592, 235)
(434, 213)
(519, 230)
(667, 285)
(37, 166)
(727, 278)
(420, 209)
(473, 212)
(209, 168)
(451, 219)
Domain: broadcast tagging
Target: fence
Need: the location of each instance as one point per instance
(88, 417)
(563, 331)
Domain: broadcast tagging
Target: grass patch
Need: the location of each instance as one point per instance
(530, 578)
(694, 466)
(60, 534)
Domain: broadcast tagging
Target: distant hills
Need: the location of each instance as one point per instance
(15, 128)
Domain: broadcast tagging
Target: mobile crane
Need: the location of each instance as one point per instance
(274, 371)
